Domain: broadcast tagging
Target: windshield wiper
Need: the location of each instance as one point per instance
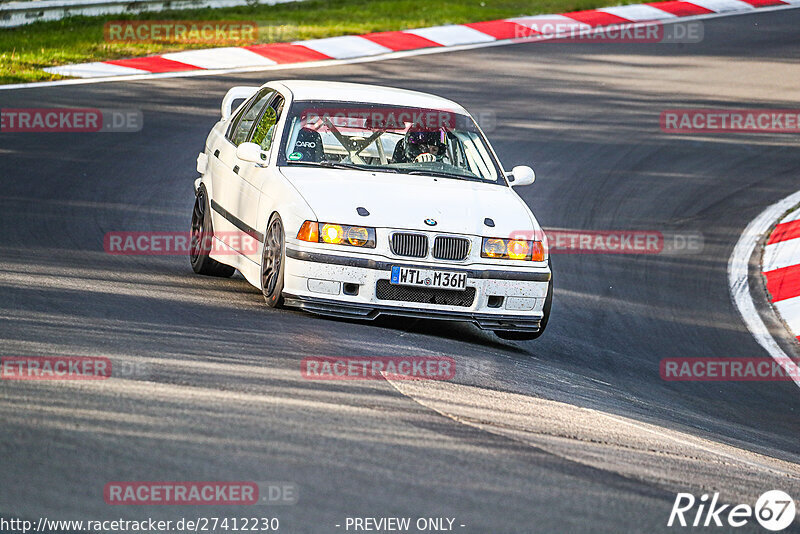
(446, 175)
(329, 164)
(340, 165)
(385, 169)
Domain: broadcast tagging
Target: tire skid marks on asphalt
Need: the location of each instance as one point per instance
(150, 424)
(631, 448)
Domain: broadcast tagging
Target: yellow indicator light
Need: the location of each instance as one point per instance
(309, 232)
(357, 236)
(537, 251)
(332, 234)
(518, 250)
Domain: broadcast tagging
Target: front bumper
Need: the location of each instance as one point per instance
(322, 282)
(370, 311)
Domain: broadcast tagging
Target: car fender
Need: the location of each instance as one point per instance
(279, 195)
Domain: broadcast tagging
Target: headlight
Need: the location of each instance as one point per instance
(512, 249)
(333, 234)
(337, 234)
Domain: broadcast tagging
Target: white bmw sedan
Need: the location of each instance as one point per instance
(356, 200)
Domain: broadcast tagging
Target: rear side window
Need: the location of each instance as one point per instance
(242, 125)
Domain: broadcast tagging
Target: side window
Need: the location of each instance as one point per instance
(235, 122)
(241, 129)
(264, 132)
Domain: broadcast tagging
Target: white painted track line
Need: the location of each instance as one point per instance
(795, 215)
(216, 58)
(94, 70)
(638, 12)
(790, 312)
(452, 35)
(723, 6)
(344, 47)
(782, 254)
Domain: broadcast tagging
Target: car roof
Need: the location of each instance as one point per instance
(364, 93)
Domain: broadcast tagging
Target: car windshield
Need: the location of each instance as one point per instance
(372, 137)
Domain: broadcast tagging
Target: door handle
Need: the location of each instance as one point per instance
(236, 169)
(216, 153)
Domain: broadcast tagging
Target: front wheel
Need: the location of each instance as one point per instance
(528, 336)
(272, 262)
(202, 240)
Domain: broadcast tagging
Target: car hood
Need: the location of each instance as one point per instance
(406, 201)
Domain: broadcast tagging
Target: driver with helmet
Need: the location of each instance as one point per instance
(421, 147)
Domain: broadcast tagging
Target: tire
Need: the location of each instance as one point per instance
(511, 335)
(202, 236)
(273, 262)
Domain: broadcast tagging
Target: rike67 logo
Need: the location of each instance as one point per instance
(774, 510)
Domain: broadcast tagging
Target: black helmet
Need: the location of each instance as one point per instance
(415, 140)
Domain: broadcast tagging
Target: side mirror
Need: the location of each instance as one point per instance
(521, 175)
(251, 152)
(235, 93)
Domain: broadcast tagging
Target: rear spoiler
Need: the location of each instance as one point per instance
(240, 92)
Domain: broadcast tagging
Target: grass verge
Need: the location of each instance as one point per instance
(25, 50)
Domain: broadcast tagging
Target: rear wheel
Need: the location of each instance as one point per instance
(272, 262)
(527, 336)
(202, 240)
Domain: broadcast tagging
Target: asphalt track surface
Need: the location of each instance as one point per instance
(510, 446)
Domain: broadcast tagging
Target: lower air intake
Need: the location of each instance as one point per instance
(443, 297)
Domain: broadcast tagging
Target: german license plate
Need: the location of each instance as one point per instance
(409, 276)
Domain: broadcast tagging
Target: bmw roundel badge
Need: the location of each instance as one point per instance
(430, 222)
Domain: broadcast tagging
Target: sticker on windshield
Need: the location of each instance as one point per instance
(295, 156)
